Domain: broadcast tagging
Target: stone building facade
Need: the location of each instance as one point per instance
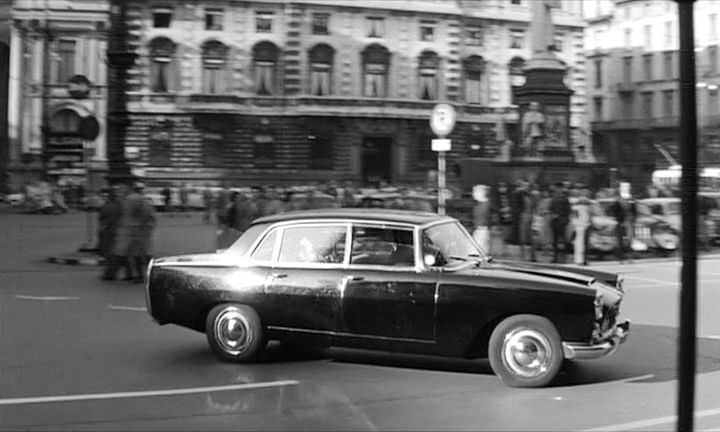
(52, 44)
(633, 90)
(300, 91)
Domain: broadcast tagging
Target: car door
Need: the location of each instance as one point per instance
(385, 295)
(303, 286)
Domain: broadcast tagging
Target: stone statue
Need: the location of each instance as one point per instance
(533, 129)
(542, 31)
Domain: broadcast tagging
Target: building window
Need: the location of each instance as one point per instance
(669, 68)
(213, 19)
(160, 144)
(214, 76)
(713, 101)
(263, 22)
(163, 73)
(162, 17)
(321, 152)
(628, 37)
(474, 71)
(558, 39)
(66, 60)
(212, 148)
(428, 76)
(265, 60)
(321, 67)
(320, 23)
(517, 38)
(647, 66)
(668, 103)
(668, 34)
(427, 31)
(626, 101)
(517, 75)
(647, 32)
(713, 26)
(65, 121)
(598, 73)
(598, 108)
(474, 36)
(627, 69)
(647, 101)
(376, 62)
(713, 58)
(263, 150)
(375, 27)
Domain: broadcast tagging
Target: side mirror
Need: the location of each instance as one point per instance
(429, 260)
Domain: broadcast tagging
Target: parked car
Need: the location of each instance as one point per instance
(392, 280)
(651, 233)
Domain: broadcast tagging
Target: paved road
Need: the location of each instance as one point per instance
(77, 353)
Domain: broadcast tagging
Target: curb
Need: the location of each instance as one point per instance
(77, 261)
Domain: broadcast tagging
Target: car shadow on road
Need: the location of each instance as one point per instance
(648, 356)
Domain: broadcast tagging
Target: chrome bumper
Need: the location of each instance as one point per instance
(580, 351)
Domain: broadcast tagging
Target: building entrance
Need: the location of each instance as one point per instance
(376, 160)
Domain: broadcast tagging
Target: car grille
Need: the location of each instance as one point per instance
(642, 232)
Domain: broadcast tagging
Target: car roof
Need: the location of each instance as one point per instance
(369, 214)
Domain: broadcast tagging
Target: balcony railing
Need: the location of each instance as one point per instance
(312, 105)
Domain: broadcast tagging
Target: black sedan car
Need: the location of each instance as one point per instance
(390, 280)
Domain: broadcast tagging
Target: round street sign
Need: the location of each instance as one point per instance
(442, 120)
(79, 87)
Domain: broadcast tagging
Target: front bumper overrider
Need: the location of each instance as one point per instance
(583, 351)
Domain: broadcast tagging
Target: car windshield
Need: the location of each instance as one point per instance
(449, 243)
(246, 240)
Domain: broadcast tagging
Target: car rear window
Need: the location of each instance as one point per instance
(247, 239)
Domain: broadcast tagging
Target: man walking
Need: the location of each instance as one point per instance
(581, 220)
(559, 217)
(481, 218)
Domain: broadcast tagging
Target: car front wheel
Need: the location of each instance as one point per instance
(235, 332)
(525, 351)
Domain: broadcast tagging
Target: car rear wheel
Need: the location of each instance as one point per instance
(235, 332)
(525, 351)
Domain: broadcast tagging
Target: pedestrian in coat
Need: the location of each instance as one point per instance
(481, 218)
(581, 211)
(108, 220)
(116, 250)
(559, 217)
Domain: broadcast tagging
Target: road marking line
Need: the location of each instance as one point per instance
(713, 337)
(47, 298)
(651, 422)
(142, 394)
(128, 308)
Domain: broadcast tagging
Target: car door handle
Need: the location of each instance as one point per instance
(356, 278)
(279, 275)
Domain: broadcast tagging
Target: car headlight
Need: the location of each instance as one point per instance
(620, 282)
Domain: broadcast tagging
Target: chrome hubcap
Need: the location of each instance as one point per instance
(527, 353)
(232, 331)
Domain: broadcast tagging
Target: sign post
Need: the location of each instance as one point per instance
(442, 122)
(89, 130)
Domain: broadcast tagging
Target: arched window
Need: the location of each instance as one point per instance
(321, 67)
(376, 65)
(428, 76)
(474, 67)
(214, 59)
(517, 75)
(163, 70)
(65, 121)
(265, 61)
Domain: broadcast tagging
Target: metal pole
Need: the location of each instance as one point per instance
(441, 182)
(689, 183)
(89, 217)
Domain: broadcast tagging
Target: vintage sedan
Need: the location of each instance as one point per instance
(393, 280)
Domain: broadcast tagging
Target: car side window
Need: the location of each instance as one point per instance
(264, 252)
(382, 246)
(313, 244)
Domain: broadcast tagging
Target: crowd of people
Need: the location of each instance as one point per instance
(556, 219)
(126, 223)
